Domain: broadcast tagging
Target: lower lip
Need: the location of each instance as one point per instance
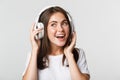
(61, 39)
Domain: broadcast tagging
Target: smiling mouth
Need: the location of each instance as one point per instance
(61, 37)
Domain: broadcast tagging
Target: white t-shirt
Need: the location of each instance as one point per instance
(56, 71)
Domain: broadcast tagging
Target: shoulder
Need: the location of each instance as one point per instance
(80, 51)
(78, 54)
(81, 54)
(82, 62)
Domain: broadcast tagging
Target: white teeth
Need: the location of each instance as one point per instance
(60, 36)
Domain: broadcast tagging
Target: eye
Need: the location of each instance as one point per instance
(53, 24)
(65, 23)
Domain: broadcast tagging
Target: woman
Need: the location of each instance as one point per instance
(54, 57)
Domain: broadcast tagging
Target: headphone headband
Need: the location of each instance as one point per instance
(42, 10)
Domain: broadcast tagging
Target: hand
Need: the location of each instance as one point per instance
(68, 49)
(35, 43)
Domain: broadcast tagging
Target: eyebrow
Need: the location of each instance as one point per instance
(53, 22)
(56, 21)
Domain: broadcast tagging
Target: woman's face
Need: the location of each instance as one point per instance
(58, 30)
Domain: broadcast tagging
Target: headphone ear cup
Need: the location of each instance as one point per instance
(71, 22)
(72, 26)
(38, 26)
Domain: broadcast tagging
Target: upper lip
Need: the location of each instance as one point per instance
(60, 35)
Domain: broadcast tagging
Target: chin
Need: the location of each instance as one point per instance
(60, 44)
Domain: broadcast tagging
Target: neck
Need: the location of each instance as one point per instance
(56, 50)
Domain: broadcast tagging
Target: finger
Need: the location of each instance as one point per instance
(37, 31)
(73, 39)
(32, 28)
(41, 28)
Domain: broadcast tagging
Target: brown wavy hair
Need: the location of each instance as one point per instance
(45, 49)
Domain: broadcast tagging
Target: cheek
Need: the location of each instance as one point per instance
(50, 32)
(67, 31)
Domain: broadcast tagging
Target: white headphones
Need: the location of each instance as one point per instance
(41, 25)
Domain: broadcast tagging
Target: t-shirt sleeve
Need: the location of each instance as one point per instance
(82, 63)
(26, 63)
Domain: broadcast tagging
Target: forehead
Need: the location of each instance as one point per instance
(57, 17)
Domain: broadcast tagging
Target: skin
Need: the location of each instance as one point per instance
(57, 26)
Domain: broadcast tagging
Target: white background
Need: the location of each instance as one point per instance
(97, 24)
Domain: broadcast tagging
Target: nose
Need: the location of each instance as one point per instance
(60, 28)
